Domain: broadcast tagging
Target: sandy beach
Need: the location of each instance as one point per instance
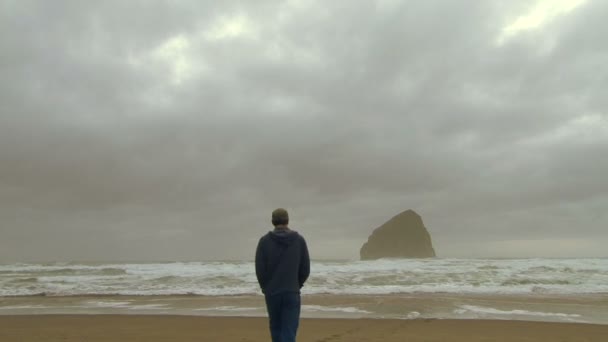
(151, 328)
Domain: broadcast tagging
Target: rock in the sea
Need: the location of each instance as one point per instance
(403, 236)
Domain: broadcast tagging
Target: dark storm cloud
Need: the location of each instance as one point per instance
(171, 130)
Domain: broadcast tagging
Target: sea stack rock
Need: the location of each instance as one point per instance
(403, 236)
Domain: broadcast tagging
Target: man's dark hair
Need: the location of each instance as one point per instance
(280, 217)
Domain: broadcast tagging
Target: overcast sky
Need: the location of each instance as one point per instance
(169, 130)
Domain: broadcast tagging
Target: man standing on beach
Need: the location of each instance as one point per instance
(282, 265)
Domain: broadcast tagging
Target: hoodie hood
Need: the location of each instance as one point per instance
(284, 236)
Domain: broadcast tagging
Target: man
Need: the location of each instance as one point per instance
(282, 265)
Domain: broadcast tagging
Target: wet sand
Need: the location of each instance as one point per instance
(566, 309)
(153, 328)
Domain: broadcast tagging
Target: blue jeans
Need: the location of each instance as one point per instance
(284, 316)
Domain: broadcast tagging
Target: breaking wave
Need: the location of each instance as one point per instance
(387, 276)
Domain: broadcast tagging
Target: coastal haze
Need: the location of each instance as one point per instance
(169, 131)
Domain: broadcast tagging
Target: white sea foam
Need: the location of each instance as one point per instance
(106, 304)
(492, 311)
(413, 315)
(23, 307)
(148, 307)
(467, 276)
(319, 308)
(230, 309)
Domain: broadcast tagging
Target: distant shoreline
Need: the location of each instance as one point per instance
(565, 290)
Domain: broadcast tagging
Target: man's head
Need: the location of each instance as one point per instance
(280, 217)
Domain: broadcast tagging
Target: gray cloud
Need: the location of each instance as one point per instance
(170, 130)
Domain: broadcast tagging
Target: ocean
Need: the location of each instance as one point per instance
(428, 288)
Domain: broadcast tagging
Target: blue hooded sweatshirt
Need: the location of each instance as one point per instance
(282, 263)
